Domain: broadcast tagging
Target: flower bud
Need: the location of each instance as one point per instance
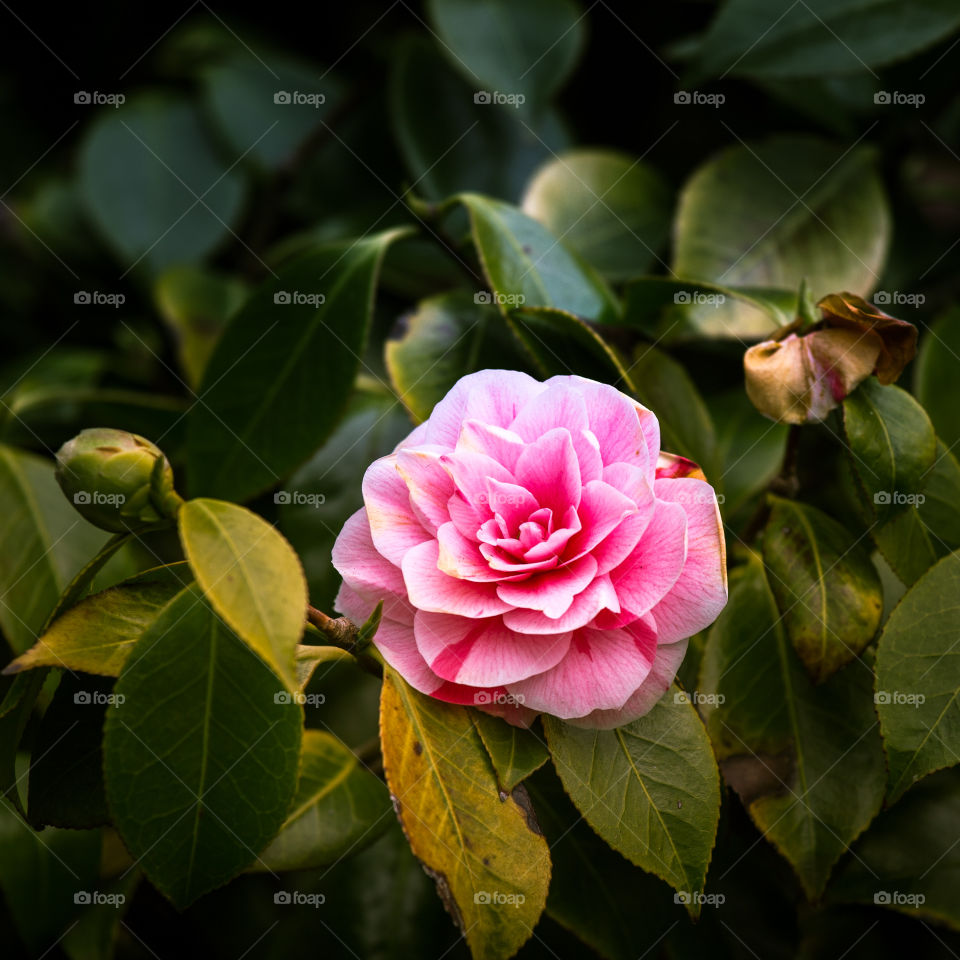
(117, 480)
(801, 379)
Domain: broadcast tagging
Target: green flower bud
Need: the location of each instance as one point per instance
(117, 480)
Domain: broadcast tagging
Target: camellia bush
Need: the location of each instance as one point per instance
(442, 521)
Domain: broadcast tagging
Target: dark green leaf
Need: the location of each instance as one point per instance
(918, 678)
(201, 755)
(153, 184)
(827, 589)
(280, 376)
(650, 789)
(936, 373)
(514, 752)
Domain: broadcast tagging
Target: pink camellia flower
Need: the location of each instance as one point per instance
(535, 552)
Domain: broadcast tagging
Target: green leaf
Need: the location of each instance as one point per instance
(935, 375)
(196, 303)
(15, 712)
(519, 47)
(827, 589)
(66, 765)
(266, 106)
(250, 575)
(913, 540)
(806, 760)
(449, 143)
(665, 387)
(757, 38)
(650, 789)
(773, 213)
(40, 873)
(559, 342)
(280, 376)
(97, 634)
(310, 657)
(48, 543)
(910, 854)
(154, 185)
(918, 678)
(201, 754)
(671, 309)
(527, 266)
(892, 443)
(374, 424)
(514, 752)
(339, 808)
(484, 849)
(446, 337)
(610, 208)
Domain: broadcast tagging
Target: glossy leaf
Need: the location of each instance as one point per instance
(806, 760)
(773, 213)
(612, 209)
(97, 634)
(783, 40)
(515, 752)
(201, 755)
(446, 337)
(339, 808)
(449, 143)
(908, 860)
(250, 575)
(826, 588)
(650, 789)
(545, 38)
(52, 543)
(935, 375)
(483, 848)
(559, 343)
(265, 407)
(153, 184)
(527, 266)
(918, 678)
(310, 657)
(892, 443)
(914, 539)
(196, 304)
